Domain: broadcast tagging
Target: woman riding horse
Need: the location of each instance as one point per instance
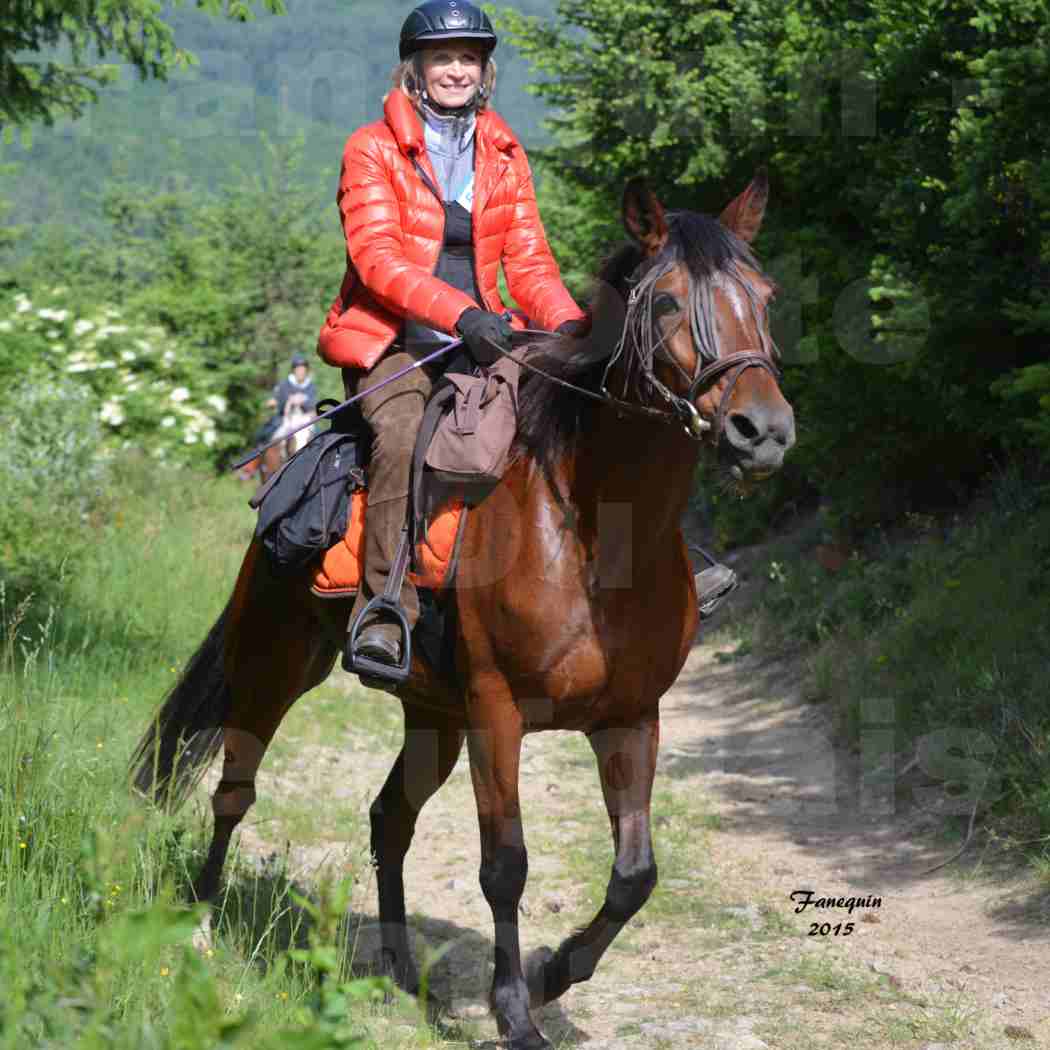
(432, 198)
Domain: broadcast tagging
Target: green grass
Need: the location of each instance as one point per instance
(933, 642)
(94, 942)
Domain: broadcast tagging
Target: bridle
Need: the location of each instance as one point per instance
(683, 409)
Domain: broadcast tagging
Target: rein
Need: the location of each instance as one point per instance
(682, 408)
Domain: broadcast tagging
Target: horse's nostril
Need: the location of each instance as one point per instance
(743, 426)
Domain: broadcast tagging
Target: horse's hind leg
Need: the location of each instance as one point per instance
(626, 764)
(275, 653)
(427, 757)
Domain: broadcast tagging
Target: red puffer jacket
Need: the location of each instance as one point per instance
(395, 227)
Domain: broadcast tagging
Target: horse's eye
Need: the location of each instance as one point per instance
(665, 303)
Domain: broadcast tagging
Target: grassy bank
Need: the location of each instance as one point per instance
(94, 943)
(934, 639)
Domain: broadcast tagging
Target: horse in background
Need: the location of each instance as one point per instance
(287, 440)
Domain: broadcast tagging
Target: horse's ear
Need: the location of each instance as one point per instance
(744, 214)
(644, 218)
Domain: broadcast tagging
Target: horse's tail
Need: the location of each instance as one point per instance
(186, 732)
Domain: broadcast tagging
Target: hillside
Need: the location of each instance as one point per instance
(318, 72)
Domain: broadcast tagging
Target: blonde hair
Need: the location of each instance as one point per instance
(408, 76)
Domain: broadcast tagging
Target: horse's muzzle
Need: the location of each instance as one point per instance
(758, 438)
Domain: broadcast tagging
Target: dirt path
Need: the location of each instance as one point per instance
(752, 804)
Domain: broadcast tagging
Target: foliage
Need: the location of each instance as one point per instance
(910, 188)
(50, 469)
(185, 313)
(946, 625)
(39, 89)
(148, 390)
(96, 950)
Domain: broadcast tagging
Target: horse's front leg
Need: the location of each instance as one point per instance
(428, 756)
(626, 764)
(495, 752)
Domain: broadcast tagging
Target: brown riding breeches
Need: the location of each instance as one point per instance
(394, 414)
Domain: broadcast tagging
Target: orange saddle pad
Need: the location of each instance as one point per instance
(339, 572)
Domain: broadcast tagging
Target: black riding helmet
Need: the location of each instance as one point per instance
(446, 20)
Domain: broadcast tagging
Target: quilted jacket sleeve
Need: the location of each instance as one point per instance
(533, 278)
(371, 217)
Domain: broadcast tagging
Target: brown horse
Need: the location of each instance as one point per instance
(573, 601)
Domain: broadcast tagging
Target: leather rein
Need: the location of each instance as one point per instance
(683, 410)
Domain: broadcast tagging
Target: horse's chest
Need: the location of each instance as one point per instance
(613, 658)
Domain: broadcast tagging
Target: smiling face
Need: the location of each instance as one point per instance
(452, 71)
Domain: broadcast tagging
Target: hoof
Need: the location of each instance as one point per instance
(537, 966)
(533, 1041)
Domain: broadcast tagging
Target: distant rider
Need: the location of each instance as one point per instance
(298, 384)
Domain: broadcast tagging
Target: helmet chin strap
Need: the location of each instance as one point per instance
(451, 111)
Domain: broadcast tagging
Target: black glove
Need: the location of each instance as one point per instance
(577, 329)
(476, 326)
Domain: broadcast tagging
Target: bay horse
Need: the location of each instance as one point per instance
(574, 601)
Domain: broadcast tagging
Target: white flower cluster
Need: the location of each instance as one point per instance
(149, 397)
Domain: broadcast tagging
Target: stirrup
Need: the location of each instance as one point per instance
(720, 592)
(363, 666)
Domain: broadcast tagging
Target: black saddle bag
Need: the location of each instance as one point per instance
(303, 508)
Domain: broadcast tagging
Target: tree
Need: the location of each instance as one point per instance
(38, 88)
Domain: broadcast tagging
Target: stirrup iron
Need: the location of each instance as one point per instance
(386, 603)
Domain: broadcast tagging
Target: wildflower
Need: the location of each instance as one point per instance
(112, 413)
(52, 315)
(209, 953)
(164, 971)
(128, 355)
(22, 304)
(217, 401)
(107, 364)
(81, 366)
(168, 421)
(99, 744)
(209, 437)
(52, 333)
(180, 393)
(21, 845)
(168, 356)
(83, 326)
(189, 437)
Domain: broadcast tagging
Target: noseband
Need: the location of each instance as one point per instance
(685, 408)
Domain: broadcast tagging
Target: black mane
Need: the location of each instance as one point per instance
(551, 418)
